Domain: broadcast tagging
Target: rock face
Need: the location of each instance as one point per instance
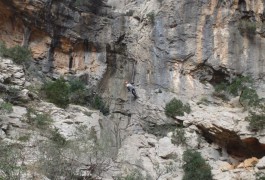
(170, 48)
(241, 148)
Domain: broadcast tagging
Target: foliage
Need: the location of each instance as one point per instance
(260, 176)
(203, 101)
(234, 88)
(19, 54)
(247, 26)
(3, 48)
(98, 103)
(6, 107)
(57, 138)
(249, 97)
(57, 92)
(53, 162)
(24, 138)
(151, 17)
(61, 93)
(13, 96)
(61, 159)
(40, 120)
(135, 174)
(239, 86)
(160, 130)
(81, 2)
(176, 108)
(179, 137)
(10, 155)
(256, 120)
(195, 166)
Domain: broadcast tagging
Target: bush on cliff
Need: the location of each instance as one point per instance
(176, 108)
(195, 166)
(256, 120)
(57, 92)
(240, 86)
(62, 93)
(17, 53)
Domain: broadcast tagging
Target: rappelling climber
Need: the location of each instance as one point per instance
(131, 88)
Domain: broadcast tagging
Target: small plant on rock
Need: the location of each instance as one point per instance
(57, 138)
(256, 120)
(6, 107)
(176, 108)
(195, 166)
(179, 137)
(151, 17)
(39, 120)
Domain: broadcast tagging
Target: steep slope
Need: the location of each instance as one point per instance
(169, 49)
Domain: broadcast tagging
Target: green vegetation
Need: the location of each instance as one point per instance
(159, 130)
(24, 138)
(249, 97)
(256, 121)
(176, 108)
(151, 17)
(40, 120)
(178, 137)
(18, 54)
(98, 103)
(247, 26)
(239, 86)
(203, 101)
(12, 96)
(62, 93)
(81, 2)
(134, 175)
(61, 159)
(195, 166)
(57, 92)
(10, 156)
(57, 138)
(260, 176)
(6, 107)
(235, 87)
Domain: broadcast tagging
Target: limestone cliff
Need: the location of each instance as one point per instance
(168, 48)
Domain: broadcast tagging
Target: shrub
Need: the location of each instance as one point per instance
(176, 108)
(17, 53)
(179, 137)
(247, 26)
(249, 97)
(6, 107)
(61, 159)
(9, 162)
(40, 120)
(57, 92)
(256, 121)
(151, 17)
(98, 103)
(260, 176)
(57, 138)
(159, 130)
(3, 49)
(134, 175)
(203, 101)
(239, 86)
(195, 166)
(24, 138)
